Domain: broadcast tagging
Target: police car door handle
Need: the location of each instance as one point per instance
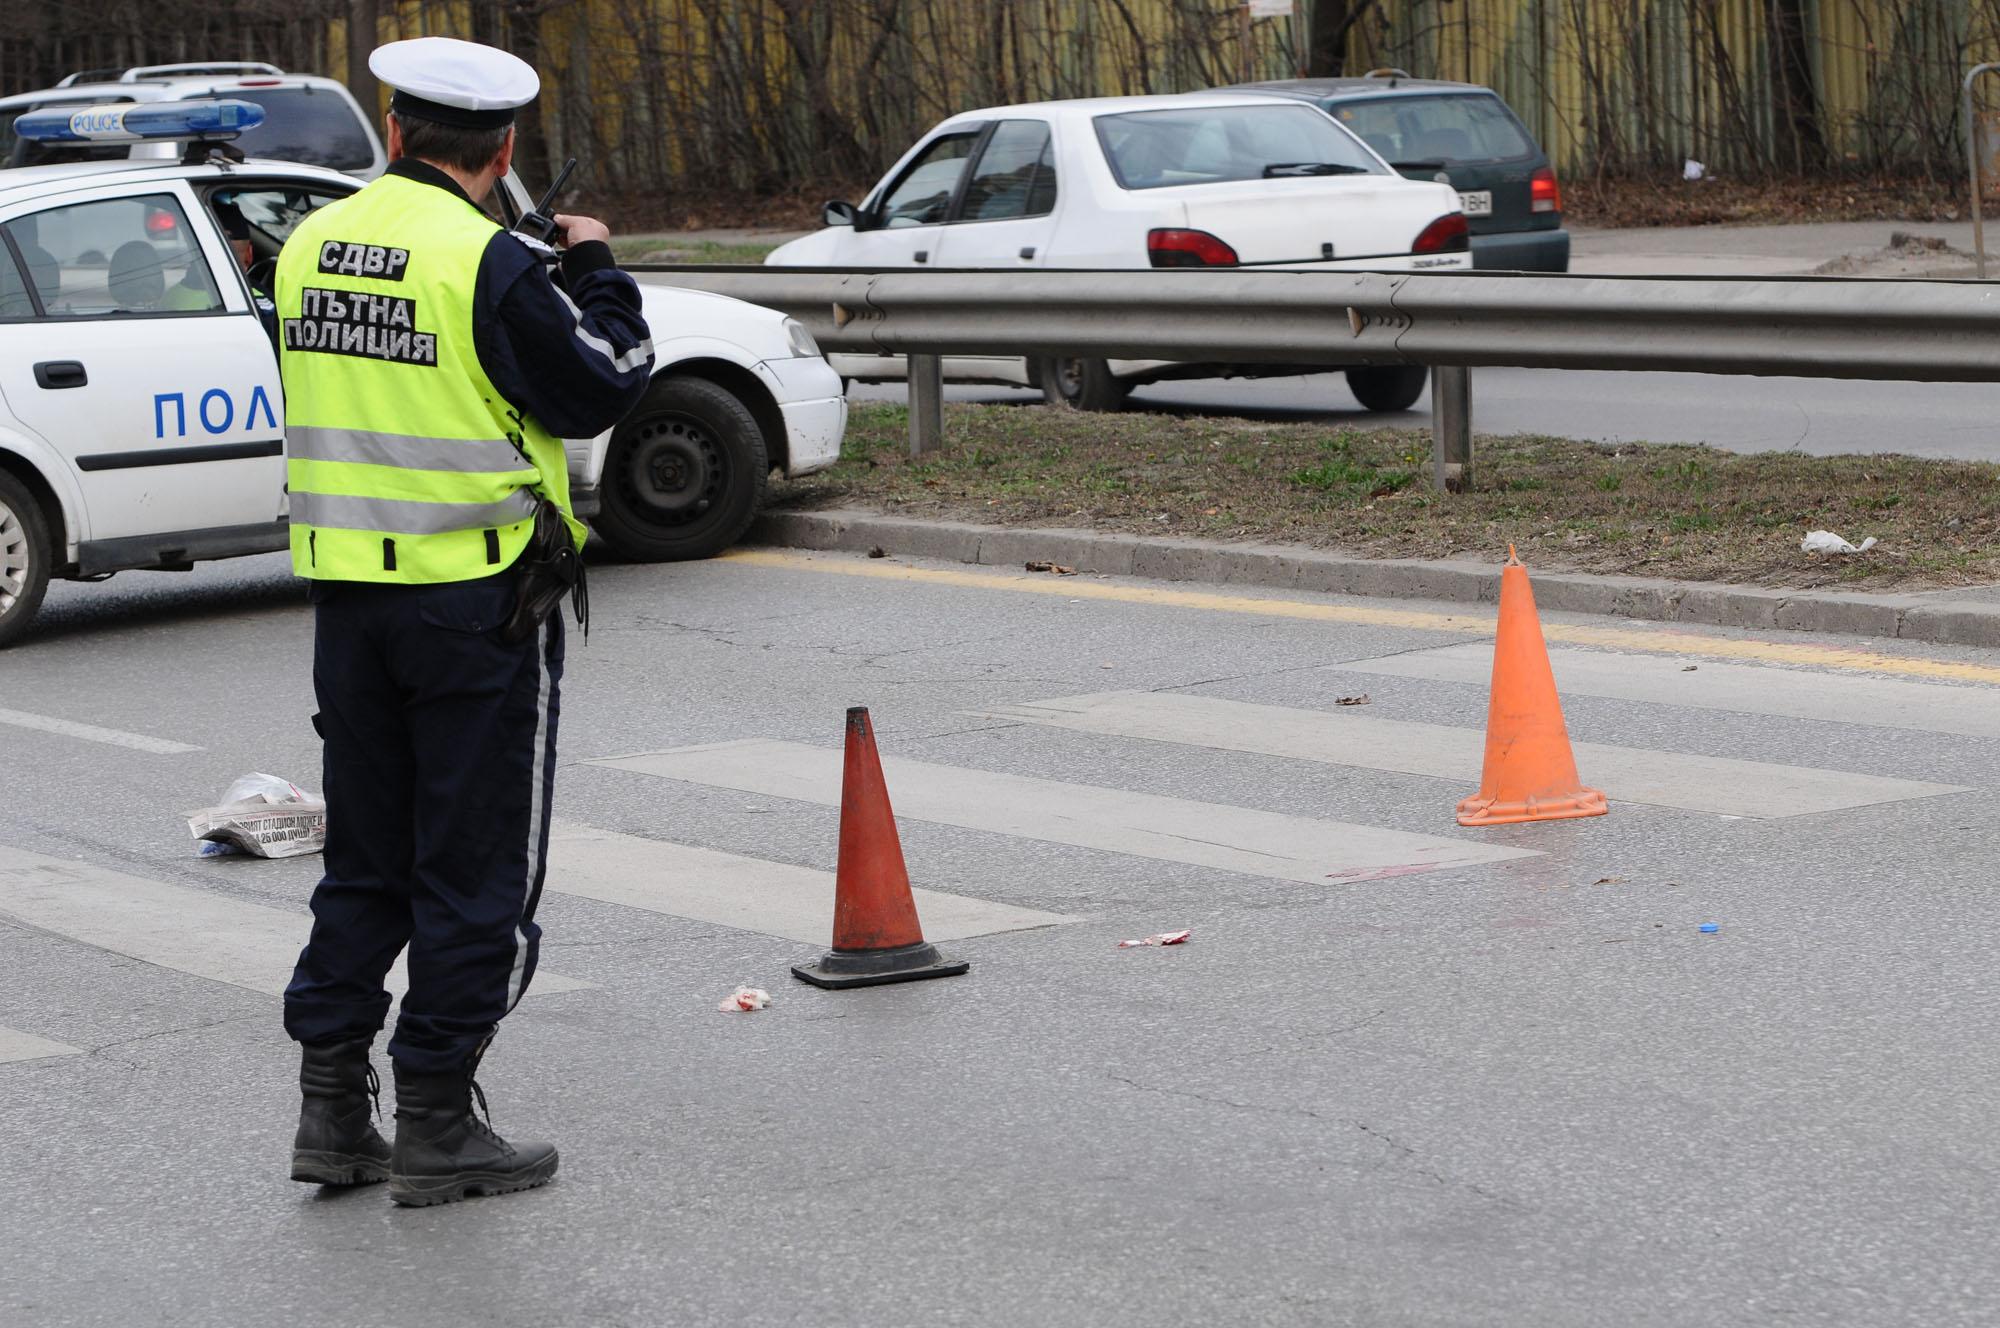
(923, 255)
(60, 373)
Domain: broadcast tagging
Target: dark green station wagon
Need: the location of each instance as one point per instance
(1461, 134)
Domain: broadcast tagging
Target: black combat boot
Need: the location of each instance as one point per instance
(445, 1153)
(337, 1144)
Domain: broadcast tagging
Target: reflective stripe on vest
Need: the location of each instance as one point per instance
(477, 455)
(400, 516)
(405, 464)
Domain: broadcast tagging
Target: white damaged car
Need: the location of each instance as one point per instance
(1238, 180)
(140, 408)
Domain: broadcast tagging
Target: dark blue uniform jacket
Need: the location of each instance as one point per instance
(567, 346)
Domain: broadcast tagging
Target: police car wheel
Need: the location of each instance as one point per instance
(24, 558)
(684, 475)
(1080, 384)
(1395, 387)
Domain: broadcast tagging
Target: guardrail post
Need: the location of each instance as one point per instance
(1451, 428)
(1973, 164)
(926, 373)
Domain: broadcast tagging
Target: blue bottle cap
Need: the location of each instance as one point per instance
(1711, 927)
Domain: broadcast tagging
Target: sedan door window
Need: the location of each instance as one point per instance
(120, 256)
(1015, 176)
(15, 302)
(922, 195)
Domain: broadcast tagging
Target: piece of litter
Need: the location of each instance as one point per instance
(1162, 938)
(745, 998)
(1609, 880)
(1106, 666)
(1353, 700)
(1689, 668)
(1825, 541)
(878, 552)
(1710, 928)
(1058, 569)
(263, 816)
(1692, 169)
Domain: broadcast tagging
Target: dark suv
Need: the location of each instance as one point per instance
(1464, 135)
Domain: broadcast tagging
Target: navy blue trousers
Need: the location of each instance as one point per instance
(440, 745)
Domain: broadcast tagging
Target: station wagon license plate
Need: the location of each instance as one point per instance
(1477, 203)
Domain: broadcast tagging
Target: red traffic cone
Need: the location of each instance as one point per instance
(876, 935)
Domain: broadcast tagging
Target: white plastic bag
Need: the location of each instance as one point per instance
(1825, 541)
(264, 816)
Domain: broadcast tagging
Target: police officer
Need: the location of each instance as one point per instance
(432, 364)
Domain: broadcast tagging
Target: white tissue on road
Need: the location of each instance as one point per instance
(1825, 541)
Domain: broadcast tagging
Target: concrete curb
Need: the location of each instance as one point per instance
(1919, 617)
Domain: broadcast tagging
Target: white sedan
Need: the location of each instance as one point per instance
(141, 418)
(1201, 180)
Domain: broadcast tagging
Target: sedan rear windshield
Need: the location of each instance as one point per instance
(1204, 145)
(1448, 129)
(316, 127)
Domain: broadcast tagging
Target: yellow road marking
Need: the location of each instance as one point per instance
(1660, 642)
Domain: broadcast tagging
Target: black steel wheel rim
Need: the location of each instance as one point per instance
(674, 471)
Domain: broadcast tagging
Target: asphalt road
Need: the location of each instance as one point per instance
(1822, 417)
(1404, 1073)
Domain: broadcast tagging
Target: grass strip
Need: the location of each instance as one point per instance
(1637, 509)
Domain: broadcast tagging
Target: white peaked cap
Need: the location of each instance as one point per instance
(482, 83)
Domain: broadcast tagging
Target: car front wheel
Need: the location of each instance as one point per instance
(684, 475)
(1394, 388)
(1081, 384)
(24, 558)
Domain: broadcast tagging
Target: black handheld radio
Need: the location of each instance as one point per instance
(540, 223)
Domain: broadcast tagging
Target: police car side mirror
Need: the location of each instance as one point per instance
(838, 213)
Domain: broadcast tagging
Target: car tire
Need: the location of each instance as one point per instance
(1080, 384)
(1394, 388)
(26, 557)
(684, 474)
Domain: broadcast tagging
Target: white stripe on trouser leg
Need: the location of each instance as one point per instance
(538, 809)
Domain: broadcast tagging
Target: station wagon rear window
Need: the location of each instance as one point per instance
(1214, 145)
(1451, 129)
(318, 128)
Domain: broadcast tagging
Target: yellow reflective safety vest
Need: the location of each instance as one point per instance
(404, 463)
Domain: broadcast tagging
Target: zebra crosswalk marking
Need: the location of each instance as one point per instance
(1739, 688)
(189, 931)
(1626, 774)
(16, 1046)
(1218, 835)
(751, 894)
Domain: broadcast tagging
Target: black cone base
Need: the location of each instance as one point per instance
(874, 968)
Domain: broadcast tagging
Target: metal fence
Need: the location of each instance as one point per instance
(1934, 331)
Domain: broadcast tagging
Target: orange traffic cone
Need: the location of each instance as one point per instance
(1530, 771)
(876, 935)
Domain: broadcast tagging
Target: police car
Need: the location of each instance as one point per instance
(141, 417)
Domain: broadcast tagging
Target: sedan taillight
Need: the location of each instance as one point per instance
(1170, 248)
(1446, 235)
(1544, 194)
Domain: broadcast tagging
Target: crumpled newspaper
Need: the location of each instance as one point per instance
(745, 998)
(1825, 541)
(1160, 938)
(264, 816)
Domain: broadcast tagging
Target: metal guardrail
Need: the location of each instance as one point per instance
(1936, 331)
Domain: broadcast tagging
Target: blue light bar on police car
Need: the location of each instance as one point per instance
(209, 121)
